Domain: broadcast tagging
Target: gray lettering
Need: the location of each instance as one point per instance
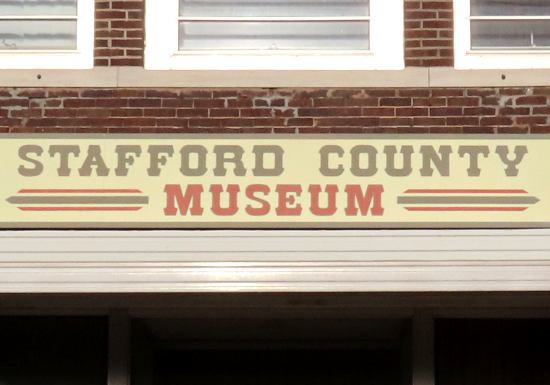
(473, 153)
(325, 168)
(356, 153)
(229, 154)
(260, 152)
(125, 159)
(155, 158)
(406, 169)
(439, 159)
(24, 152)
(511, 165)
(64, 151)
(200, 153)
(94, 159)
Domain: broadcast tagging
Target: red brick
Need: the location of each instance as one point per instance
(379, 111)
(345, 122)
(396, 121)
(512, 130)
(531, 120)
(300, 122)
(209, 103)
(146, 110)
(496, 121)
(305, 112)
(479, 111)
(160, 112)
(192, 112)
(145, 102)
(223, 113)
(512, 91)
(514, 111)
(422, 121)
(395, 102)
(462, 121)
(417, 111)
(445, 111)
(463, 102)
(447, 92)
(540, 130)
(258, 112)
(531, 100)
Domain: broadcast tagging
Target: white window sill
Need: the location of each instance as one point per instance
(410, 77)
(502, 59)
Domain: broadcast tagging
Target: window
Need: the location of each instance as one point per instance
(502, 34)
(278, 34)
(46, 34)
(492, 351)
(53, 350)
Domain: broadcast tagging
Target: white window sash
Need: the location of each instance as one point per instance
(467, 58)
(81, 58)
(386, 46)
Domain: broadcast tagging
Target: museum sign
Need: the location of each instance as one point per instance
(274, 181)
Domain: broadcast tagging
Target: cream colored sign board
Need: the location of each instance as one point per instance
(274, 181)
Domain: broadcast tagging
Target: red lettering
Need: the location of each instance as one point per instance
(191, 198)
(373, 196)
(251, 192)
(314, 191)
(232, 208)
(287, 199)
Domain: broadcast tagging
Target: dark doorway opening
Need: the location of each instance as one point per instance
(271, 352)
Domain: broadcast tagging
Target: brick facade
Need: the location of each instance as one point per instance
(429, 33)
(449, 110)
(428, 42)
(119, 34)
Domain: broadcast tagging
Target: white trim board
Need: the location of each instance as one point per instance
(274, 261)
(136, 77)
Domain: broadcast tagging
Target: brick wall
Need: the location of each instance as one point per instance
(119, 32)
(429, 33)
(489, 110)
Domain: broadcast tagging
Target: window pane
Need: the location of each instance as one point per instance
(274, 8)
(37, 7)
(274, 35)
(510, 7)
(53, 350)
(511, 34)
(492, 352)
(271, 351)
(37, 34)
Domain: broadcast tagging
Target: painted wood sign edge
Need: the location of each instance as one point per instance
(186, 181)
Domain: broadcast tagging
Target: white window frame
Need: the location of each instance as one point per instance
(386, 46)
(466, 58)
(81, 58)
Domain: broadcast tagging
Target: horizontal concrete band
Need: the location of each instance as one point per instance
(274, 261)
(136, 77)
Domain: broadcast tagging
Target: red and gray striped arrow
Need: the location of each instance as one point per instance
(79, 200)
(466, 200)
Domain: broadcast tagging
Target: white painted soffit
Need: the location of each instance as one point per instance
(274, 261)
